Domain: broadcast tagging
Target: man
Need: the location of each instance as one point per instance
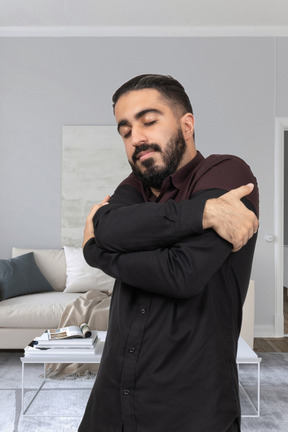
(180, 248)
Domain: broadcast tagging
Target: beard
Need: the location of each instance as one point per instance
(153, 176)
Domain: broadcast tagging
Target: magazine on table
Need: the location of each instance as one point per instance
(43, 341)
(82, 331)
(43, 347)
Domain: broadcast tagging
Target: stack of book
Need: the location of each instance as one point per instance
(63, 341)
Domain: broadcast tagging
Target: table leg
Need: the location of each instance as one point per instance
(38, 390)
(22, 390)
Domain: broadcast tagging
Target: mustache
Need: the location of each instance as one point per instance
(144, 147)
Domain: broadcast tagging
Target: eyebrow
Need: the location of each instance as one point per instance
(138, 116)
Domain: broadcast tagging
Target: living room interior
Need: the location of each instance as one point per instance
(60, 65)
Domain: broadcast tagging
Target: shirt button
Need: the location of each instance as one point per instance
(126, 392)
(132, 350)
(143, 311)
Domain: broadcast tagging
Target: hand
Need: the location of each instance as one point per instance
(230, 218)
(89, 227)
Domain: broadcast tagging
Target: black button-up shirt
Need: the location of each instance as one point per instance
(169, 359)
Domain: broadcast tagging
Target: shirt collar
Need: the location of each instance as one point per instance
(175, 180)
(179, 176)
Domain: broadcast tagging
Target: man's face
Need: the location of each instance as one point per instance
(152, 135)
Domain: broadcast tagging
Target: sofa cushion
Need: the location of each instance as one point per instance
(20, 276)
(43, 310)
(51, 262)
(80, 277)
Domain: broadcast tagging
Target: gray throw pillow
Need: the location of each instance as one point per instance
(20, 275)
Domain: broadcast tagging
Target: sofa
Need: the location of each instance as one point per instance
(36, 285)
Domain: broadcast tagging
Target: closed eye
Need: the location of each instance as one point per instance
(150, 123)
(127, 134)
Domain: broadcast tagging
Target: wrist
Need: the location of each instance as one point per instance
(208, 220)
(88, 231)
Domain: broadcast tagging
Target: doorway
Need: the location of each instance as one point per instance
(285, 229)
(280, 294)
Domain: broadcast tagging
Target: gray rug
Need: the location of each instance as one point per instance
(274, 394)
(67, 398)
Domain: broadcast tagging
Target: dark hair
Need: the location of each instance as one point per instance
(167, 86)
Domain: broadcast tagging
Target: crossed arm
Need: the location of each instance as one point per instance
(226, 215)
(169, 257)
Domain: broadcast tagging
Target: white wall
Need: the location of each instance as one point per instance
(46, 83)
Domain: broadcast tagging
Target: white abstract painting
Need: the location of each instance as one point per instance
(94, 162)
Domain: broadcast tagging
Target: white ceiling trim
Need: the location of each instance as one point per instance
(106, 31)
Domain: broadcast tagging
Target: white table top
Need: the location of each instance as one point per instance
(245, 354)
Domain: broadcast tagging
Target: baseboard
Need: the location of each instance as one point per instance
(279, 325)
(264, 331)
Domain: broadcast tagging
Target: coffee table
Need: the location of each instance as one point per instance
(245, 355)
(43, 357)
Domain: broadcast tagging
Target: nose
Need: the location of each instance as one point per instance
(138, 136)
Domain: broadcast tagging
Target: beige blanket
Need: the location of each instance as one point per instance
(93, 308)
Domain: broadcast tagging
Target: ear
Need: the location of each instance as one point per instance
(187, 125)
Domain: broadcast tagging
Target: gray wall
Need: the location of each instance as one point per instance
(285, 187)
(46, 83)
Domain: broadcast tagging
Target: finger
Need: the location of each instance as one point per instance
(244, 190)
(105, 200)
(93, 210)
(239, 244)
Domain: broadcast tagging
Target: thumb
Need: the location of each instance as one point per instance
(105, 200)
(244, 190)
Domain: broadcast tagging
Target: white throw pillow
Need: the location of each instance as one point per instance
(80, 277)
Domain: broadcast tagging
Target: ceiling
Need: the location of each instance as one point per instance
(151, 17)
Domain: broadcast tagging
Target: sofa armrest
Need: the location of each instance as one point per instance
(247, 330)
